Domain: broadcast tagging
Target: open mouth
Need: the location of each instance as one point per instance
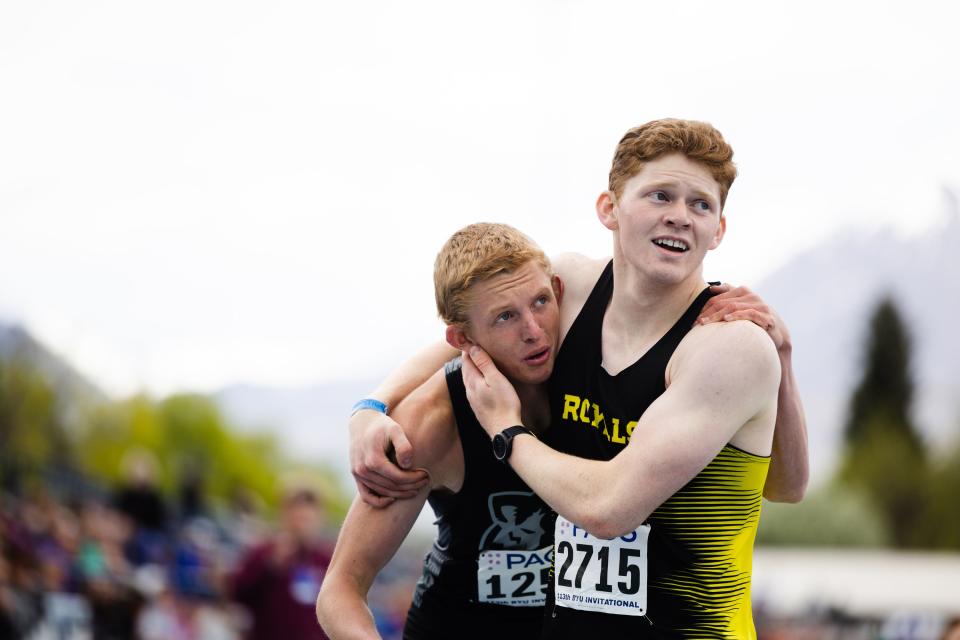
(538, 358)
(670, 244)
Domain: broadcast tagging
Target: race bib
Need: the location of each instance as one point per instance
(593, 574)
(514, 578)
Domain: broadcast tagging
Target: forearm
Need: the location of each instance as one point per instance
(576, 488)
(412, 373)
(343, 612)
(368, 539)
(789, 463)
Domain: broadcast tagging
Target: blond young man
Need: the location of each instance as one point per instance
(486, 574)
(662, 429)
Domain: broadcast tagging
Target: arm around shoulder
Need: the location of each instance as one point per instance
(790, 461)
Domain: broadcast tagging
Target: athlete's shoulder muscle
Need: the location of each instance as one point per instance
(731, 372)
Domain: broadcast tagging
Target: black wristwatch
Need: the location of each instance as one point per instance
(503, 441)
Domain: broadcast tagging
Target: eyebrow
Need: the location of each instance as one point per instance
(666, 184)
(545, 291)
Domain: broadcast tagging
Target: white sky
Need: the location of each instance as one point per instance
(199, 193)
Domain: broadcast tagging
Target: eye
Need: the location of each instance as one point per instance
(702, 205)
(659, 196)
(503, 317)
(543, 300)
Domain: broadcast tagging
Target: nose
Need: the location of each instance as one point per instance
(532, 331)
(677, 215)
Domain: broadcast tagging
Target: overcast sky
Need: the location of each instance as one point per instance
(197, 193)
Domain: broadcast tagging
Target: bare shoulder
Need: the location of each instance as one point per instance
(426, 416)
(578, 272)
(739, 349)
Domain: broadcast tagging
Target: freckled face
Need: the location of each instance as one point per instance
(515, 317)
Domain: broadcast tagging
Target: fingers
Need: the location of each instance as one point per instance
(720, 288)
(471, 374)
(721, 310)
(385, 487)
(374, 500)
(385, 475)
(480, 358)
(401, 446)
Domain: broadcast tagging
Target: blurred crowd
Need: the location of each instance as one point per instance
(127, 563)
(80, 562)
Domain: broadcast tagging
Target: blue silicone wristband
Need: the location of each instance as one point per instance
(369, 403)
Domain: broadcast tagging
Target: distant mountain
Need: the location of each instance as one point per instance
(826, 297)
(17, 344)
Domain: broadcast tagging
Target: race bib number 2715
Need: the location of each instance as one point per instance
(593, 574)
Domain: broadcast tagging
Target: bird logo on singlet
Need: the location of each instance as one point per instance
(518, 521)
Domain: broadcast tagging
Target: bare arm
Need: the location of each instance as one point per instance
(374, 437)
(370, 536)
(724, 390)
(789, 466)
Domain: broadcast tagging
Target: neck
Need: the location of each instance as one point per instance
(534, 406)
(644, 305)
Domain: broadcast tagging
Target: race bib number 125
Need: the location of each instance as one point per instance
(514, 578)
(593, 574)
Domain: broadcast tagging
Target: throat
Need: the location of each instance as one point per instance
(634, 324)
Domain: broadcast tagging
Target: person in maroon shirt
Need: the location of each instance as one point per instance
(278, 581)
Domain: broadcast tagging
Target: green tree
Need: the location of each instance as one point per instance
(941, 517)
(32, 435)
(885, 391)
(186, 432)
(885, 455)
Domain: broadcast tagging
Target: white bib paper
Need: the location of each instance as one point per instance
(514, 578)
(593, 574)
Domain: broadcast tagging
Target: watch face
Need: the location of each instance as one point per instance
(499, 446)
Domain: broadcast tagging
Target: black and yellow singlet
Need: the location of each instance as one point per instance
(699, 543)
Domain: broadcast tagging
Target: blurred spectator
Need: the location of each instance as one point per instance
(138, 498)
(192, 499)
(278, 581)
(106, 574)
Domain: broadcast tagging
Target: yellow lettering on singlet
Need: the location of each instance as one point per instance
(583, 411)
(597, 416)
(630, 426)
(570, 406)
(619, 439)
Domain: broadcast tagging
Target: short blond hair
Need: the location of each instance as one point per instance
(698, 141)
(473, 254)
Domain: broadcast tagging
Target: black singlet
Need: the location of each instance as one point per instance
(493, 511)
(700, 540)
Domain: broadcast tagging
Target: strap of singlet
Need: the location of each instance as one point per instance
(467, 428)
(665, 347)
(584, 334)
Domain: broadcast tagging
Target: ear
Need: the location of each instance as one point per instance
(721, 230)
(607, 210)
(557, 288)
(457, 337)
